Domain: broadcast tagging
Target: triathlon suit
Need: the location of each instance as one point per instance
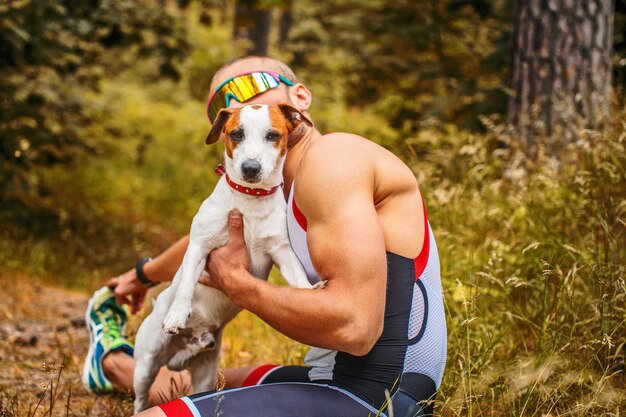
(406, 363)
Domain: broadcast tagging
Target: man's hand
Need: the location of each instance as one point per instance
(228, 266)
(128, 290)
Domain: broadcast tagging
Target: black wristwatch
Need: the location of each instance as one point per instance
(141, 276)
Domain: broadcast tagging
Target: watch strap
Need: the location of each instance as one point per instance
(141, 276)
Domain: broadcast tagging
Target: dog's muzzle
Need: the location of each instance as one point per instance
(251, 170)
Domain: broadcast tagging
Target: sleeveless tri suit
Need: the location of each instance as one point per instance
(406, 363)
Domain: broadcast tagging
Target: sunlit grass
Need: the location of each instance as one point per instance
(533, 261)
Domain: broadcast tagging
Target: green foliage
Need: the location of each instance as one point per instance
(53, 53)
(409, 61)
(138, 196)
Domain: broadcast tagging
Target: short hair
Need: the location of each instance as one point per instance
(272, 64)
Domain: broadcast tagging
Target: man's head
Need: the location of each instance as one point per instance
(279, 85)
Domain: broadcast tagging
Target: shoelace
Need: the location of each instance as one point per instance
(111, 325)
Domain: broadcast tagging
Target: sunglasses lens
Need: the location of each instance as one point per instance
(240, 88)
(217, 103)
(250, 85)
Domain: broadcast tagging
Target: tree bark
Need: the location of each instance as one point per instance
(561, 73)
(252, 22)
(286, 22)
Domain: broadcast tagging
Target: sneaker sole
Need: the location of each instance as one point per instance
(90, 328)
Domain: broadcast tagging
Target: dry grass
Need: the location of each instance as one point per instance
(42, 348)
(44, 342)
(534, 265)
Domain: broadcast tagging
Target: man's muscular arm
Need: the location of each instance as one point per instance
(347, 249)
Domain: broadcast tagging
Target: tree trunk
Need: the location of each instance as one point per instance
(286, 21)
(561, 67)
(253, 22)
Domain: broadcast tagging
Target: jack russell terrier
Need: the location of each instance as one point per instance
(192, 316)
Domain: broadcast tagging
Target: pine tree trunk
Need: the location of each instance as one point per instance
(561, 66)
(286, 22)
(253, 22)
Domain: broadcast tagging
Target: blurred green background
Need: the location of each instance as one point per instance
(102, 160)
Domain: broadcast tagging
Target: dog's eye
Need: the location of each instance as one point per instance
(272, 136)
(236, 135)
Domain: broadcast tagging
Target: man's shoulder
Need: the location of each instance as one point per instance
(345, 163)
(339, 151)
(346, 154)
(340, 140)
(333, 167)
(336, 156)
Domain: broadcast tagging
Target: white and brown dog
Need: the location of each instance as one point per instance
(192, 316)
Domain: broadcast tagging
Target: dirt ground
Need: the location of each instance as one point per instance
(43, 343)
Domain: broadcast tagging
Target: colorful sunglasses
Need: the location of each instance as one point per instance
(243, 87)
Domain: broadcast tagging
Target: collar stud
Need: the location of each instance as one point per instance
(257, 192)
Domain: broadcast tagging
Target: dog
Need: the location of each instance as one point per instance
(185, 327)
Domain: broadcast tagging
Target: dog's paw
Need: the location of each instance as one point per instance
(320, 285)
(207, 340)
(175, 320)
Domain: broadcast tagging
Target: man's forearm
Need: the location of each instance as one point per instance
(313, 317)
(164, 267)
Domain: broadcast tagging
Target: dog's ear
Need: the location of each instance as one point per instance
(218, 126)
(293, 115)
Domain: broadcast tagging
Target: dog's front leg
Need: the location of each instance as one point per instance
(180, 309)
(290, 267)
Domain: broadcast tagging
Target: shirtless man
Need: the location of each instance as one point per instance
(357, 219)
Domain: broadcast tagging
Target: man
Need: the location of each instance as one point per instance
(356, 219)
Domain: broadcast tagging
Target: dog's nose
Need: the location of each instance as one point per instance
(250, 169)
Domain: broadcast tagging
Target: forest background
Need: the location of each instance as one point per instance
(102, 161)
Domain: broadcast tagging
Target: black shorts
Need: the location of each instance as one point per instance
(286, 391)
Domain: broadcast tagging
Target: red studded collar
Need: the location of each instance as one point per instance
(257, 192)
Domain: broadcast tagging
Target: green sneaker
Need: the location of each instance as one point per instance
(106, 322)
